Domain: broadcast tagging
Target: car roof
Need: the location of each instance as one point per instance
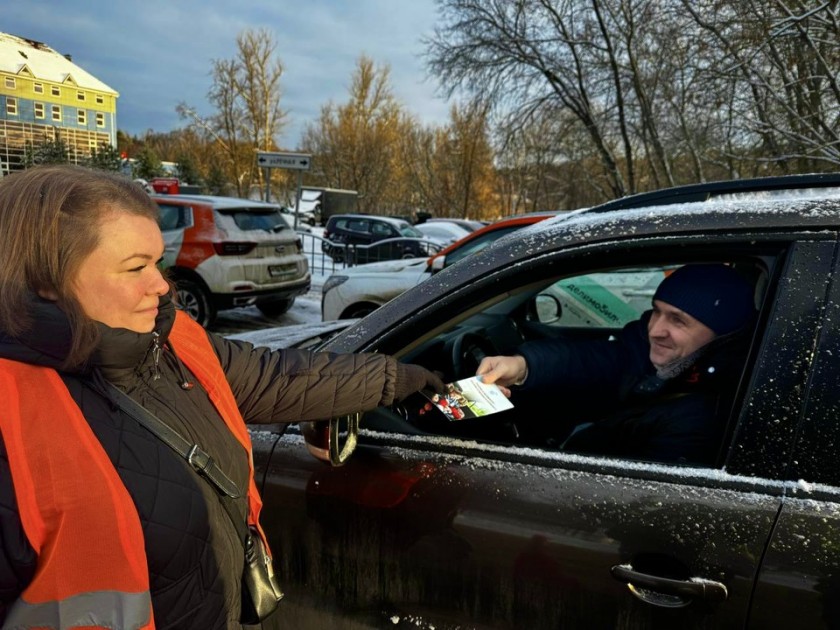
(391, 220)
(758, 213)
(727, 188)
(218, 202)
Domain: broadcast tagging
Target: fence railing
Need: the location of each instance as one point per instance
(326, 257)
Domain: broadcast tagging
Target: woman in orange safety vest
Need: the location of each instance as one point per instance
(102, 524)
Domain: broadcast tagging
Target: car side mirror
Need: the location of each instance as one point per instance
(547, 308)
(323, 438)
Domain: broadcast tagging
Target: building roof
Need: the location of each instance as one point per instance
(44, 63)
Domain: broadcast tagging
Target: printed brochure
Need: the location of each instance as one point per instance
(467, 398)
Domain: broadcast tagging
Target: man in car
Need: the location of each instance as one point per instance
(657, 392)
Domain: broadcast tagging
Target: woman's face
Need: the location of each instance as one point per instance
(119, 283)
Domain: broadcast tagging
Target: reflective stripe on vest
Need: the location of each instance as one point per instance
(193, 347)
(75, 511)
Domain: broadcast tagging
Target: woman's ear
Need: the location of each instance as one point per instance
(48, 294)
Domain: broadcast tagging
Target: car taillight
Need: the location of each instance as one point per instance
(326, 234)
(299, 243)
(233, 248)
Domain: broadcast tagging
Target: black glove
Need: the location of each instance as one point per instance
(412, 378)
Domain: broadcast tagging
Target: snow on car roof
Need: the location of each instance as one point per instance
(757, 210)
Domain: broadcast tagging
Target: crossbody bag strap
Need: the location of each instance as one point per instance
(196, 457)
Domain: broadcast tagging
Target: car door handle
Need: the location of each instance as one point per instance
(678, 593)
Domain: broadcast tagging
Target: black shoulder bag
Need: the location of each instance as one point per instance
(261, 591)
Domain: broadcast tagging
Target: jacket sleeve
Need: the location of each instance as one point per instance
(584, 367)
(291, 385)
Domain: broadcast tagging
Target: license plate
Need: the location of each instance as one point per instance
(282, 271)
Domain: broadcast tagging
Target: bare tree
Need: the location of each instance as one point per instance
(781, 59)
(529, 55)
(246, 96)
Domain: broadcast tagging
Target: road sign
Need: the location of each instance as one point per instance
(296, 161)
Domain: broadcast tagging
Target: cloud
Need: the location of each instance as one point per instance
(159, 53)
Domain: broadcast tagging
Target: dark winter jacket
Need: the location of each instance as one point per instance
(195, 558)
(632, 412)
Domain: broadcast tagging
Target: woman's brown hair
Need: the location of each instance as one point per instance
(49, 223)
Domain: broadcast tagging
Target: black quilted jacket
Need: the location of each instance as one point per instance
(195, 559)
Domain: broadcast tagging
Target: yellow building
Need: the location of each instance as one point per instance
(44, 95)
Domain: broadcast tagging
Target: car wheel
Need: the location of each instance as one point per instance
(275, 308)
(358, 310)
(195, 302)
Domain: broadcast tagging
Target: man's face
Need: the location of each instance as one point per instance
(674, 334)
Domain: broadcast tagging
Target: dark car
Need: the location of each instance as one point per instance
(363, 238)
(487, 523)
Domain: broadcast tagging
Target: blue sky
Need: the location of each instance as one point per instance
(157, 53)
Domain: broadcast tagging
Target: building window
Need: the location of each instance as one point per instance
(55, 90)
(11, 106)
(100, 119)
(80, 96)
(11, 83)
(81, 117)
(100, 100)
(39, 110)
(56, 113)
(38, 88)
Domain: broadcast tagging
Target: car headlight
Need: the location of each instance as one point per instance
(332, 282)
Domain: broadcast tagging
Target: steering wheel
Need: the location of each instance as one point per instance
(467, 352)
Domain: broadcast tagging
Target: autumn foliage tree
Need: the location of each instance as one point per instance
(355, 144)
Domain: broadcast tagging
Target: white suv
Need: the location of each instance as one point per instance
(224, 252)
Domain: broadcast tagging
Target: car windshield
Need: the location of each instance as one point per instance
(258, 219)
(406, 229)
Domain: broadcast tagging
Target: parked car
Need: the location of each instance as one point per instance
(362, 238)
(443, 232)
(485, 523)
(224, 252)
(357, 291)
(467, 224)
(305, 217)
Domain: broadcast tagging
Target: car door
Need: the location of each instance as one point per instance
(439, 532)
(799, 582)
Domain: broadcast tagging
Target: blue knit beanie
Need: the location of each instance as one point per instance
(713, 294)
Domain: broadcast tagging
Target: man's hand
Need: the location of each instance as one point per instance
(503, 371)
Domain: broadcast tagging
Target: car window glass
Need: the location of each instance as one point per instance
(605, 333)
(599, 300)
(358, 225)
(257, 219)
(171, 217)
(380, 229)
(409, 231)
(477, 244)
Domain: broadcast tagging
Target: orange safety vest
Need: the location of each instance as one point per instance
(75, 511)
